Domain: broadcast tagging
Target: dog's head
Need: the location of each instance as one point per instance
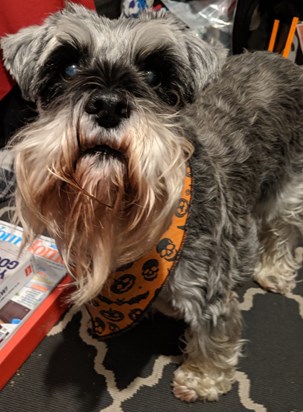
(102, 166)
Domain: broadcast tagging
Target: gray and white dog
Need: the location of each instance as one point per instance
(123, 106)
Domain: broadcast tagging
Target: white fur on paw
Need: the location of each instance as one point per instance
(299, 255)
(275, 280)
(190, 385)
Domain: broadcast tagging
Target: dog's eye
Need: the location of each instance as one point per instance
(71, 70)
(153, 78)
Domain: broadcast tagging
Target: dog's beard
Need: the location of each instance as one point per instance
(104, 209)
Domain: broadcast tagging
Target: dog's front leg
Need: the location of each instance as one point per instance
(212, 349)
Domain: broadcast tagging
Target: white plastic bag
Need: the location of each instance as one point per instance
(211, 19)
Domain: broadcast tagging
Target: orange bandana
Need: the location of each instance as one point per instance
(130, 290)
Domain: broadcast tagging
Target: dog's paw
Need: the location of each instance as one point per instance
(275, 280)
(190, 384)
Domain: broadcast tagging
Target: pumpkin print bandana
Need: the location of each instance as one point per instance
(130, 290)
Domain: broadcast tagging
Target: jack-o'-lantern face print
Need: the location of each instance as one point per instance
(113, 315)
(98, 325)
(135, 314)
(123, 283)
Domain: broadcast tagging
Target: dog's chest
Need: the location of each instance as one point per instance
(130, 291)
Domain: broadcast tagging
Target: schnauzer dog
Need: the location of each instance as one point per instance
(124, 107)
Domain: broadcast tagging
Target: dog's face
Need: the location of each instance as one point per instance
(102, 167)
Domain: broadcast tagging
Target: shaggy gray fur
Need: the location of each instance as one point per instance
(245, 122)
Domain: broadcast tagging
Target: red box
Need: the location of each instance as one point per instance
(30, 334)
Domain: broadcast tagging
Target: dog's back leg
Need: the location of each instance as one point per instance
(279, 236)
(277, 268)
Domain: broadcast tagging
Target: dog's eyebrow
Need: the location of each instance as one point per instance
(162, 54)
(153, 36)
(67, 51)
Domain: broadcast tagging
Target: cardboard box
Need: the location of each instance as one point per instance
(15, 312)
(28, 316)
(15, 271)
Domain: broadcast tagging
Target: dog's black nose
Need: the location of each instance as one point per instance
(109, 107)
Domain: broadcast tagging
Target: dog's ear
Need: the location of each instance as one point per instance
(25, 51)
(206, 61)
(21, 52)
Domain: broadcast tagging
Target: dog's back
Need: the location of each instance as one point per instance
(252, 124)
